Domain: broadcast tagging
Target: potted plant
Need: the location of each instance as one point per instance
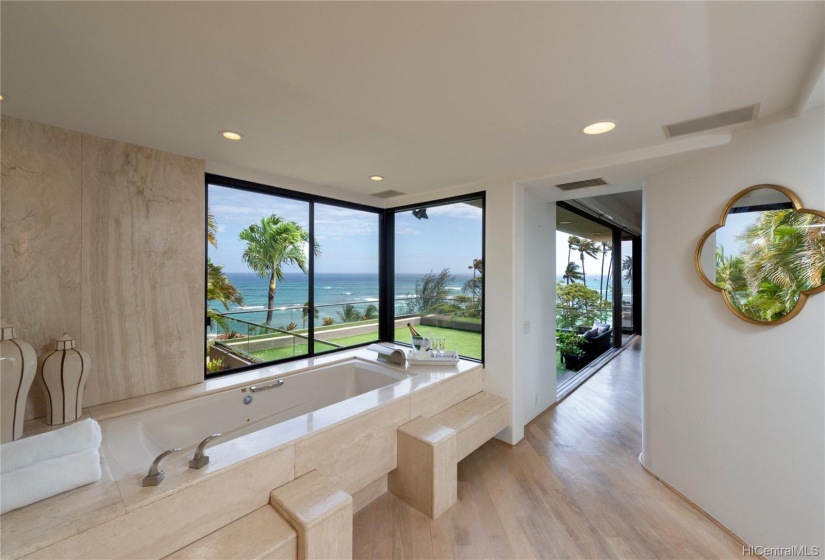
(571, 350)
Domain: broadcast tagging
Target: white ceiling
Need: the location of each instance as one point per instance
(428, 94)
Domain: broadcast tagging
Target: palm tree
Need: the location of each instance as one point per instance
(606, 248)
(349, 314)
(211, 228)
(627, 266)
(305, 314)
(572, 243)
(589, 248)
(271, 244)
(371, 312)
(572, 273)
(220, 288)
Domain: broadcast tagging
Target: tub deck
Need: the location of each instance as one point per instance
(353, 443)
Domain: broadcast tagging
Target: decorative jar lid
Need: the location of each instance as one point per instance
(6, 330)
(65, 342)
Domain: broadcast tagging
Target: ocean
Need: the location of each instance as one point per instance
(332, 292)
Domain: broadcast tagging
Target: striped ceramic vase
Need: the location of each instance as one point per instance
(64, 374)
(18, 364)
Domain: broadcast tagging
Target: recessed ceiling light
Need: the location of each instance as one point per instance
(229, 135)
(565, 222)
(376, 177)
(2, 97)
(599, 127)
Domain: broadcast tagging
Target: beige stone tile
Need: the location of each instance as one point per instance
(331, 539)
(320, 513)
(433, 399)
(48, 521)
(142, 279)
(40, 237)
(309, 500)
(357, 452)
(427, 475)
(261, 534)
(175, 521)
(369, 493)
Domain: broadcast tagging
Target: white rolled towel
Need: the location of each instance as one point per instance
(48, 478)
(50, 445)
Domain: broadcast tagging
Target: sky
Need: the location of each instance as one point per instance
(450, 238)
(591, 265)
(734, 225)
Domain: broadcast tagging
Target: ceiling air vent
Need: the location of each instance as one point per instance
(582, 184)
(726, 118)
(387, 194)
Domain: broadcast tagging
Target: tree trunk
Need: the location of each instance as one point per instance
(584, 274)
(270, 296)
(609, 267)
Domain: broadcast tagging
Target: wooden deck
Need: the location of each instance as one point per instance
(573, 488)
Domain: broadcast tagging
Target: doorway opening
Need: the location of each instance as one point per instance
(598, 292)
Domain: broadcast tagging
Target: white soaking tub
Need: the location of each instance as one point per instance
(131, 442)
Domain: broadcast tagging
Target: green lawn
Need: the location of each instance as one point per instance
(467, 343)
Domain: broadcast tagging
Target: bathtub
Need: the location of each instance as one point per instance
(131, 442)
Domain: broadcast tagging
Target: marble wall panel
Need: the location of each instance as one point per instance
(142, 274)
(104, 240)
(40, 227)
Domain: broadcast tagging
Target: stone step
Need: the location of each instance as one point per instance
(262, 534)
(475, 421)
(429, 450)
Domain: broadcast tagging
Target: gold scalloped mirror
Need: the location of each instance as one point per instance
(766, 255)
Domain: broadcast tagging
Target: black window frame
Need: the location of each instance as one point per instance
(389, 320)
(311, 200)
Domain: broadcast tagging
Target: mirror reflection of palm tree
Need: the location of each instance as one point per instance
(270, 245)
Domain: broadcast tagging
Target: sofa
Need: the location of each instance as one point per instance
(595, 344)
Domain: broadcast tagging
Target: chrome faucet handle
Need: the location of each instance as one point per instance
(155, 475)
(199, 460)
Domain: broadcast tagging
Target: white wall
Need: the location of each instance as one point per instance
(537, 371)
(734, 413)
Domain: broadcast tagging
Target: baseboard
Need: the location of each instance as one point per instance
(712, 519)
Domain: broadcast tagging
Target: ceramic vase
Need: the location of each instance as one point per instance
(64, 374)
(18, 365)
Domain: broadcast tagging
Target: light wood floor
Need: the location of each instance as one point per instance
(573, 488)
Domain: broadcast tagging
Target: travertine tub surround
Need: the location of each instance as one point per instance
(104, 240)
(242, 472)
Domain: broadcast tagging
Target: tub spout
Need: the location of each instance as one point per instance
(156, 475)
(199, 460)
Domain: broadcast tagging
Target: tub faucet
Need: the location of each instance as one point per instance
(156, 475)
(199, 460)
